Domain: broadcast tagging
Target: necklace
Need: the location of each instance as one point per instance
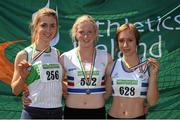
(87, 74)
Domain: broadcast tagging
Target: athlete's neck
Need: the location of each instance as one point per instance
(86, 54)
(131, 61)
(41, 46)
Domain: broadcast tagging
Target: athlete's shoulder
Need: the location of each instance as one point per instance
(69, 54)
(70, 51)
(28, 48)
(119, 59)
(101, 52)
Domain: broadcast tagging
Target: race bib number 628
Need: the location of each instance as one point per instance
(127, 91)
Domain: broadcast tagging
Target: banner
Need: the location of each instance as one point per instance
(157, 21)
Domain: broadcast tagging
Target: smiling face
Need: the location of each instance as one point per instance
(86, 34)
(44, 25)
(46, 29)
(127, 42)
(84, 31)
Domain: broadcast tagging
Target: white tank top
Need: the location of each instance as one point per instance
(129, 83)
(76, 82)
(44, 80)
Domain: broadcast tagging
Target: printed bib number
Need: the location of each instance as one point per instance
(127, 91)
(52, 75)
(91, 82)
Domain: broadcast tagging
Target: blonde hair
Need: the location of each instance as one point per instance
(83, 19)
(36, 18)
(132, 28)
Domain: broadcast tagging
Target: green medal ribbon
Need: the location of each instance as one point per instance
(84, 72)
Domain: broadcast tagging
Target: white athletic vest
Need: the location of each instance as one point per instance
(44, 80)
(128, 83)
(76, 82)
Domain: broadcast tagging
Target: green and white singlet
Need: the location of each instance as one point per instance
(44, 80)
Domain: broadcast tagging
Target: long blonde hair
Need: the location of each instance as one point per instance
(36, 18)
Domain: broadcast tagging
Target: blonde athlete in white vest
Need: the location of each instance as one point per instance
(130, 87)
(38, 67)
(85, 67)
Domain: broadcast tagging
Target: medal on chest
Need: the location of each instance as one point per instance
(87, 74)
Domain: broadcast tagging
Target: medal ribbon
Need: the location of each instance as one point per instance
(144, 63)
(84, 72)
(34, 58)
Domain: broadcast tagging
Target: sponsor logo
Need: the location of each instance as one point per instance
(71, 69)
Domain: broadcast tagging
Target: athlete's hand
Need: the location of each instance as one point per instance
(25, 99)
(23, 69)
(64, 86)
(145, 108)
(154, 66)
